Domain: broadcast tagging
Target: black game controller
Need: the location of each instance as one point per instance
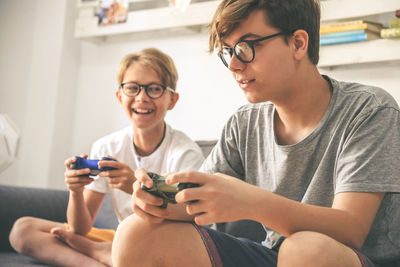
(165, 191)
(92, 164)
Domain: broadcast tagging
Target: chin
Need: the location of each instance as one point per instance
(255, 99)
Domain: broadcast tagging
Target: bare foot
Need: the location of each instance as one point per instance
(100, 251)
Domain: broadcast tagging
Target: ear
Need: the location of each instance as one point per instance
(174, 99)
(299, 44)
(118, 95)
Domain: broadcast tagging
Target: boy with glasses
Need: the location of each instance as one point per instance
(147, 82)
(315, 160)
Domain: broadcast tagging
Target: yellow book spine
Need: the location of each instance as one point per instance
(340, 28)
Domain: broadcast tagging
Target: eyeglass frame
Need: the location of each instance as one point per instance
(146, 86)
(251, 44)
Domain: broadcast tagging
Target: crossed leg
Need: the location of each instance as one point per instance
(32, 237)
(101, 251)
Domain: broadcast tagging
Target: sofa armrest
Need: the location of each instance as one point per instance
(17, 202)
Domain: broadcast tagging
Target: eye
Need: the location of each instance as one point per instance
(155, 89)
(243, 50)
(131, 87)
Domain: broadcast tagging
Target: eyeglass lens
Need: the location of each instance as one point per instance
(153, 90)
(242, 50)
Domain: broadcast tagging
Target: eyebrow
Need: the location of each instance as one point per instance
(244, 37)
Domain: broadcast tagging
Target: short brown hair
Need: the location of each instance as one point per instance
(286, 15)
(161, 63)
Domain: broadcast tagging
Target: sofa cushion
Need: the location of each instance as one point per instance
(17, 202)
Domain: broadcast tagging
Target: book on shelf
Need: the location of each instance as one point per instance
(343, 33)
(394, 23)
(348, 38)
(390, 33)
(350, 26)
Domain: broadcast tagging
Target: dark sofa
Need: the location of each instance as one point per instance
(51, 204)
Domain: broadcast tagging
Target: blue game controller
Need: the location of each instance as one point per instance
(92, 164)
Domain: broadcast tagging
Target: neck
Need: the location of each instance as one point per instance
(299, 114)
(146, 141)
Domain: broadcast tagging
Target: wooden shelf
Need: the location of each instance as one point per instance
(332, 10)
(148, 20)
(360, 52)
(200, 14)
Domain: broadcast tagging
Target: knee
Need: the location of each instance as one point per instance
(19, 232)
(130, 232)
(304, 249)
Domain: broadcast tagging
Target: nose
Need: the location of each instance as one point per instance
(142, 94)
(235, 64)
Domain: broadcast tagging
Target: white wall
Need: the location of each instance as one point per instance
(60, 91)
(37, 91)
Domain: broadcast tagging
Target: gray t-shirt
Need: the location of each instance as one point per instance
(355, 147)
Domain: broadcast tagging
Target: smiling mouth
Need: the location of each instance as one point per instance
(143, 111)
(245, 83)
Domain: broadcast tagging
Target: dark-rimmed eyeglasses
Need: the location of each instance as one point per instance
(243, 50)
(153, 90)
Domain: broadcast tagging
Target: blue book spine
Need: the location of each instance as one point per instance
(334, 34)
(343, 39)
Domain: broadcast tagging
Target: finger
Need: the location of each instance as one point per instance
(149, 198)
(143, 178)
(194, 208)
(146, 216)
(111, 173)
(203, 219)
(68, 162)
(110, 163)
(79, 180)
(76, 173)
(190, 195)
(187, 177)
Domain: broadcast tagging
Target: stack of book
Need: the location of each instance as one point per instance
(349, 31)
(394, 27)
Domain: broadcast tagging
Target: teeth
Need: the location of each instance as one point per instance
(143, 111)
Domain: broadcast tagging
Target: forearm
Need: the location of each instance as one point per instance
(288, 217)
(78, 215)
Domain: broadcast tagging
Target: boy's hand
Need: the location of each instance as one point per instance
(220, 197)
(147, 205)
(76, 179)
(122, 177)
(144, 204)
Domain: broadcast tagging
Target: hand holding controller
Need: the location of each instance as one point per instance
(92, 164)
(165, 191)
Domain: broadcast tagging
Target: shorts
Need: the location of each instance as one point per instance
(98, 234)
(227, 250)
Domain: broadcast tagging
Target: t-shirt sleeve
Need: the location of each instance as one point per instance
(225, 156)
(369, 159)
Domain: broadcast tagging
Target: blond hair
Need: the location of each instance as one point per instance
(161, 63)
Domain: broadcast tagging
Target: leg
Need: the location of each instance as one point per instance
(101, 251)
(32, 237)
(314, 249)
(166, 244)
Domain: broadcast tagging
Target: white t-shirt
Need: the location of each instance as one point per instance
(177, 152)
